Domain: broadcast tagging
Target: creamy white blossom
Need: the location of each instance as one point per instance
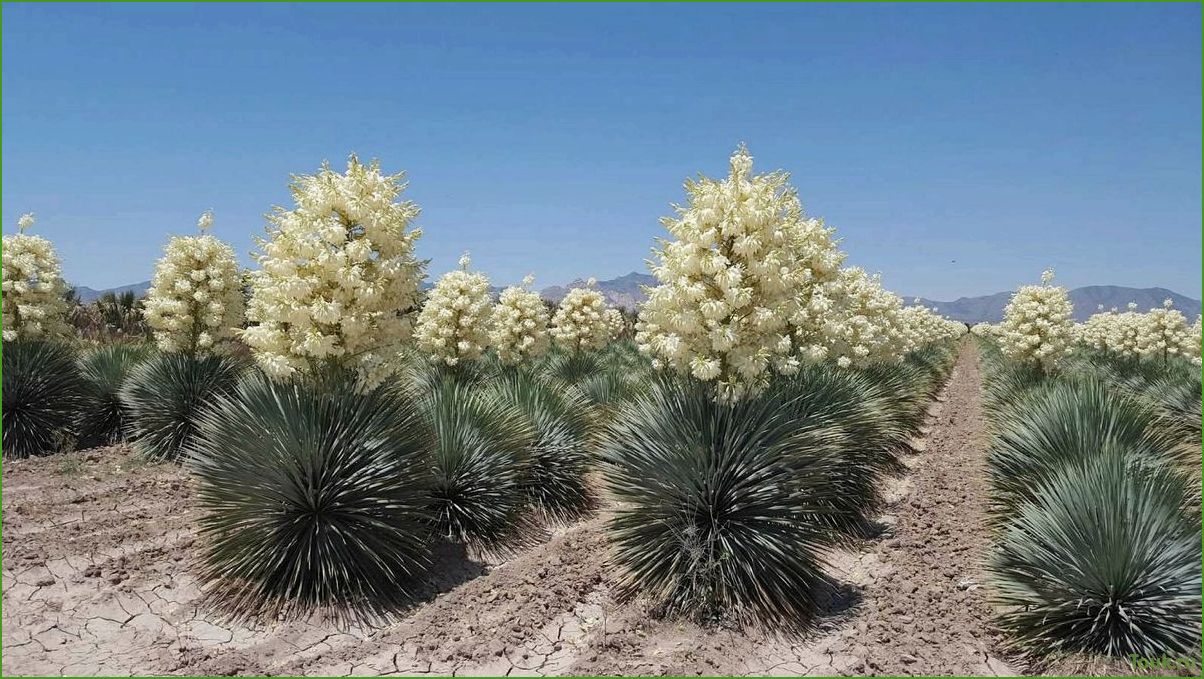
(33, 289)
(580, 321)
(338, 280)
(454, 323)
(615, 322)
(1192, 349)
(1115, 333)
(520, 324)
(195, 302)
(921, 326)
(1160, 332)
(741, 287)
(1037, 326)
(864, 323)
(1164, 332)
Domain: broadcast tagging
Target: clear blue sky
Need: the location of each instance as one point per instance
(551, 138)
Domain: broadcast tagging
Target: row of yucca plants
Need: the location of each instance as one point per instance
(326, 472)
(1097, 516)
(305, 478)
(59, 395)
(319, 493)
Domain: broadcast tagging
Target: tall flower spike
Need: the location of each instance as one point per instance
(25, 222)
(1047, 276)
(338, 277)
(528, 280)
(742, 283)
(454, 324)
(195, 302)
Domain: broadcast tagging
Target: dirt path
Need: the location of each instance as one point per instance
(97, 581)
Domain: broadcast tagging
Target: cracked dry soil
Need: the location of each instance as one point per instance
(97, 579)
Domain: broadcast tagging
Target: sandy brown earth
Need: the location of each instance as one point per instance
(99, 550)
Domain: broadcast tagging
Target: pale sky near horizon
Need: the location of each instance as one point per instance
(957, 149)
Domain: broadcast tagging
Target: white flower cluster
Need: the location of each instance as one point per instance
(1165, 333)
(615, 322)
(866, 323)
(737, 287)
(580, 321)
(984, 330)
(1192, 351)
(34, 306)
(520, 324)
(1159, 332)
(1037, 326)
(338, 278)
(195, 300)
(922, 326)
(1116, 333)
(454, 323)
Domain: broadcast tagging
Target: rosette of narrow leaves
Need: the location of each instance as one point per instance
(557, 462)
(607, 378)
(1103, 559)
(852, 415)
(165, 395)
(42, 393)
(314, 495)
(1176, 403)
(1064, 422)
(721, 505)
(479, 463)
(103, 419)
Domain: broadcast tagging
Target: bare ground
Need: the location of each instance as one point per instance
(98, 554)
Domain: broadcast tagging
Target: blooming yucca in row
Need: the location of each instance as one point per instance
(454, 323)
(338, 276)
(195, 300)
(520, 324)
(580, 322)
(866, 323)
(751, 287)
(33, 287)
(1037, 327)
(735, 295)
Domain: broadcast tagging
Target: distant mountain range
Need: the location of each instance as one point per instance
(87, 294)
(625, 291)
(1086, 300)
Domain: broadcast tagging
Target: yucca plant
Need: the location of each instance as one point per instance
(853, 415)
(904, 390)
(554, 480)
(164, 396)
(43, 393)
(480, 456)
(102, 419)
(1103, 559)
(1176, 404)
(314, 495)
(722, 507)
(607, 378)
(1062, 422)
